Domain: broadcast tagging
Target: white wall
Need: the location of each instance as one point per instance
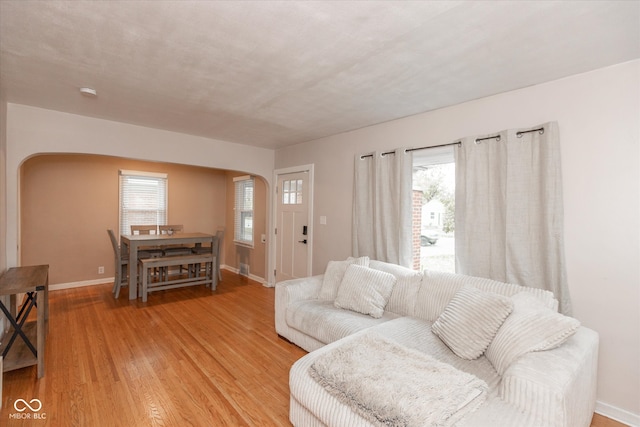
(598, 115)
(33, 131)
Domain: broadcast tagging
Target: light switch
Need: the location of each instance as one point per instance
(323, 220)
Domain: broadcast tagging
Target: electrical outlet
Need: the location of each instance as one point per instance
(101, 270)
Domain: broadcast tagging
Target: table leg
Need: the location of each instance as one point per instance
(40, 321)
(46, 305)
(133, 270)
(13, 303)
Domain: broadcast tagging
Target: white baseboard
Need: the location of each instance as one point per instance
(71, 285)
(251, 276)
(617, 414)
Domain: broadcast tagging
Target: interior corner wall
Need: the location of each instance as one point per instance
(597, 114)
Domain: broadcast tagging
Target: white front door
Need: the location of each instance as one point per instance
(292, 232)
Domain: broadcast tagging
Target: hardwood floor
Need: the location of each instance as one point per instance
(600, 421)
(186, 357)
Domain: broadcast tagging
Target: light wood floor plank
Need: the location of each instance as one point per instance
(187, 357)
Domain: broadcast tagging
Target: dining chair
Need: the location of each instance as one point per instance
(144, 229)
(170, 229)
(215, 248)
(121, 259)
(220, 236)
(121, 264)
(147, 229)
(148, 251)
(173, 250)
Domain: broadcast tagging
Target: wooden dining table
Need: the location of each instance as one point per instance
(133, 243)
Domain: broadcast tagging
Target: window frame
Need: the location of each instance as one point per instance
(436, 156)
(162, 209)
(243, 209)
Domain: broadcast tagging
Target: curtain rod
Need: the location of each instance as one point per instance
(415, 149)
(496, 137)
(518, 134)
(540, 130)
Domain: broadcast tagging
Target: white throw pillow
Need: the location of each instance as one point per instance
(365, 290)
(530, 327)
(405, 292)
(333, 276)
(470, 321)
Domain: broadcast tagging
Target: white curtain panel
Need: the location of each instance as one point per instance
(382, 207)
(509, 210)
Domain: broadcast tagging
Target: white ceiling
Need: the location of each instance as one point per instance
(271, 74)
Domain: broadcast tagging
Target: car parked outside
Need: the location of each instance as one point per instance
(428, 237)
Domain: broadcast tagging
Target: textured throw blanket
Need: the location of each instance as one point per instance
(392, 385)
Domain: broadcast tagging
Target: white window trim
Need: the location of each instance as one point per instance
(159, 175)
(237, 220)
(433, 157)
(142, 173)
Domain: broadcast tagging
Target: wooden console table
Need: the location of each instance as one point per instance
(18, 347)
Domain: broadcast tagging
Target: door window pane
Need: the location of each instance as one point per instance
(292, 192)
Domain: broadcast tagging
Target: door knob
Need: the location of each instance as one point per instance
(303, 241)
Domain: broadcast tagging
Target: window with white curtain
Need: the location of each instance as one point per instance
(434, 180)
(143, 199)
(243, 210)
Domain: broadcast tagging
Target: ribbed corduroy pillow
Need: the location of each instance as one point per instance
(333, 276)
(530, 327)
(365, 290)
(470, 321)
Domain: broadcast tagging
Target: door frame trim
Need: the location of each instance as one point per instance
(309, 168)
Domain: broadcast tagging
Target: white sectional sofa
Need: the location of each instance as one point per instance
(539, 367)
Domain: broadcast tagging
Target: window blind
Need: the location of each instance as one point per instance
(143, 199)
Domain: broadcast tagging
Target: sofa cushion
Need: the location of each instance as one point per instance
(327, 323)
(471, 320)
(530, 327)
(438, 288)
(365, 290)
(409, 387)
(333, 276)
(405, 291)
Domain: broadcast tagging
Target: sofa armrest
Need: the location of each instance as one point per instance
(558, 386)
(290, 291)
